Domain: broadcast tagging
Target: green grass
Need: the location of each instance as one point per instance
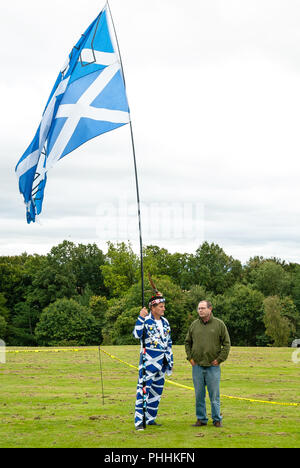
(53, 399)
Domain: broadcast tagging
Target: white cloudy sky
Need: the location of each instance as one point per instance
(214, 92)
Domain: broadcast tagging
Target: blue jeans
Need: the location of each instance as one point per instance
(207, 377)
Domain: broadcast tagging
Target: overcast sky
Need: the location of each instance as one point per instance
(214, 92)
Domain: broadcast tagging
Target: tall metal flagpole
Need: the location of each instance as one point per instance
(140, 231)
(134, 162)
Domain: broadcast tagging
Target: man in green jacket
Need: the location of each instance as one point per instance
(207, 345)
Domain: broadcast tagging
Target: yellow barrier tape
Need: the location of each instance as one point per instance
(48, 350)
(252, 400)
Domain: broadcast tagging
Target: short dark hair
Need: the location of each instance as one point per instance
(208, 304)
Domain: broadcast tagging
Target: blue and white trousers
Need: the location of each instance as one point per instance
(154, 388)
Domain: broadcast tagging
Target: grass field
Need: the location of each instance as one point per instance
(53, 399)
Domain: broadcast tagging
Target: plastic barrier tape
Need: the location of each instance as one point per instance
(223, 396)
(252, 400)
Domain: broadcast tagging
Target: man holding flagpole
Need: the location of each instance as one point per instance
(156, 360)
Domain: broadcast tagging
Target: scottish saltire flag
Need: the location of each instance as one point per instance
(88, 99)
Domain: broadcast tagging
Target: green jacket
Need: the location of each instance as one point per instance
(206, 342)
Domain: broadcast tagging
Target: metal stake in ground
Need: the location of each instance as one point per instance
(100, 362)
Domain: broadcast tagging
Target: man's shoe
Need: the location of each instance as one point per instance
(139, 428)
(218, 424)
(199, 423)
(154, 424)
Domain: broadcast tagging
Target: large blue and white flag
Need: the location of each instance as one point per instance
(88, 99)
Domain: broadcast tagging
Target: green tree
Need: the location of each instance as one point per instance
(67, 271)
(116, 307)
(4, 311)
(3, 327)
(154, 259)
(16, 275)
(120, 270)
(159, 261)
(271, 279)
(12, 280)
(109, 287)
(4, 316)
(241, 308)
(290, 311)
(124, 325)
(52, 281)
(295, 286)
(65, 322)
(98, 306)
(278, 327)
(84, 261)
(23, 324)
(213, 269)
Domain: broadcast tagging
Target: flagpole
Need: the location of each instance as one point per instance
(139, 210)
(134, 162)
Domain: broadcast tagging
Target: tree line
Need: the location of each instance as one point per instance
(78, 295)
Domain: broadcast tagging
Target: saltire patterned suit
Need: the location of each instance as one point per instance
(158, 362)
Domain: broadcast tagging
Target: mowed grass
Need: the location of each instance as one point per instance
(54, 399)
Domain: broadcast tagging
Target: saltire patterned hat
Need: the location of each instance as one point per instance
(154, 300)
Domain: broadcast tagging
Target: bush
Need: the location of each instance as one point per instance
(66, 322)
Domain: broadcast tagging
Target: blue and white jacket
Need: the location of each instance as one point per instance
(158, 346)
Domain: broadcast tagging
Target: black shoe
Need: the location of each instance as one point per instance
(139, 428)
(154, 424)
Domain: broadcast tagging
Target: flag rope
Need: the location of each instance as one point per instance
(171, 382)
